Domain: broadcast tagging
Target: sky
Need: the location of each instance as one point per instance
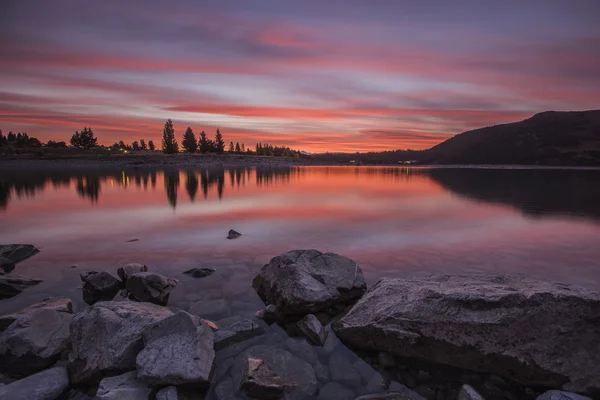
(336, 75)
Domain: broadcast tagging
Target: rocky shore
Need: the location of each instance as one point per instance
(321, 335)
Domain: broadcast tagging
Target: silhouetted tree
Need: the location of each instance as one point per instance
(189, 142)
(231, 148)
(122, 145)
(84, 139)
(143, 145)
(135, 145)
(57, 145)
(219, 143)
(243, 148)
(3, 139)
(237, 147)
(204, 143)
(151, 145)
(11, 137)
(171, 186)
(169, 143)
(191, 185)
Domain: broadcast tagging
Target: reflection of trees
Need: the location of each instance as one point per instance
(191, 185)
(171, 186)
(89, 187)
(4, 194)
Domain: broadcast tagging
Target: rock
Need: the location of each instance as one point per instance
(107, 337)
(150, 287)
(6, 265)
(313, 330)
(123, 387)
(386, 360)
(99, 286)
(261, 382)
(45, 385)
(225, 390)
(284, 365)
(129, 269)
(321, 372)
(306, 281)
(468, 393)
(12, 285)
(335, 391)
(60, 305)
(210, 308)
(15, 253)
(392, 396)
(233, 234)
(168, 393)
(176, 352)
(270, 314)
(364, 369)
(342, 370)
(302, 349)
(236, 332)
(331, 343)
(533, 332)
(200, 272)
(561, 395)
(34, 341)
(132, 240)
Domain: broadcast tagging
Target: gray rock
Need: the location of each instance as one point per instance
(107, 337)
(536, 333)
(306, 281)
(386, 360)
(233, 234)
(123, 387)
(236, 332)
(129, 269)
(61, 305)
(261, 382)
(15, 253)
(321, 372)
(34, 341)
(313, 330)
(335, 391)
(45, 385)
(12, 285)
(176, 352)
(342, 370)
(200, 272)
(410, 395)
(210, 308)
(168, 393)
(376, 383)
(150, 287)
(270, 314)
(285, 365)
(561, 395)
(302, 349)
(225, 390)
(468, 393)
(331, 343)
(364, 369)
(99, 286)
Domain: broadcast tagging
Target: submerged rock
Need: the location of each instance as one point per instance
(261, 382)
(61, 305)
(200, 272)
(210, 308)
(533, 332)
(270, 314)
(233, 234)
(12, 285)
(561, 395)
(107, 337)
(150, 287)
(99, 286)
(313, 330)
(123, 387)
(15, 253)
(176, 351)
(468, 393)
(129, 269)
(410, 395)
(34, 341)
(45, 385)
(301, 282)
(235, 332)
(168, 393)
(335, 391)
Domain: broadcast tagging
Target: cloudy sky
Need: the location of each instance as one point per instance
(336, 75)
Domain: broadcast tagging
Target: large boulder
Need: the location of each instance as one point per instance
(34, 341)
(301, 282)
(107, 337)
(123, 387)
(61, 305)
(176, 352)
(12, 285)
(150, 287)
(98, 286)
(45, 385)
(14, 253)
(533, 332)
(129, 269)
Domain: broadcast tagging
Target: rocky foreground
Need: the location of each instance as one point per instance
(526, 336)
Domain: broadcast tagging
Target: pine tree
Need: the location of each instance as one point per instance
(151, 145)
(143, 145)
(135, 145)
(189, 142)
(88, 141)
(219, 143)
(11, 137)
(243, 148)
(3, 139)
(203, 143)
(76, 139)
(231, 148)
(169, 143)
(237, 147)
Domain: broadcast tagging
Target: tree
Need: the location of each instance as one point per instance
(151, 145)
(243, 148)
(219, 143)
(84, 139)
(204, 143)
(3, 139)
(189, 142)
(135, 145)
(143, 145)
(237, 147)
(169, 143)
(122, 145)
(231, 148)
(56, 145)
(11, 137)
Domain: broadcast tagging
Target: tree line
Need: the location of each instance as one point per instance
(19, 140)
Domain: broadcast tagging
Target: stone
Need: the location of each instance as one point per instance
(15, 253)
(61, 305)
(210, 308)
(302, 349)
(561, 395)
(283, 364)
(236, 332)
(331, 343)
(176, 352)
(34, 341)
(313, 330)
(392, 396)
(12, 285)
(168, 393)
(364, 369)
(233, 234)
(129, 269)
(301, 282)
(270, 314)
(200, 272)
(225, 390)
(386, 360)
(45, 385)
(150, 287)
(123, 387)
(99, 286)
(533, 332)
(107, 337)
(335, 391)
(321, 372)
(342, 370)
(261, 382)
(468, 393)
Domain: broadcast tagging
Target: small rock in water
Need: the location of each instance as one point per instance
(99, 286)
(124, 386)
(15, 253)
(45, 385)
(236, 332)
(12, 285)
(269, 314)
(150, 287)
(233, 234)
(468, 393)
(561, 395)
(313, 330)
(129, 269)
(133, 240)
(261, 382)
(61, 305)
(200, 272)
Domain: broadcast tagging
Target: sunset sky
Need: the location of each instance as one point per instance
(335, 75)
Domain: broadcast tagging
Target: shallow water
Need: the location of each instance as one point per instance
(393, 221)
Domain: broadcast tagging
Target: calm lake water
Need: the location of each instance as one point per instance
(393, 221)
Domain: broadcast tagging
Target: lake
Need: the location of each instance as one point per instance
(393, 221)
